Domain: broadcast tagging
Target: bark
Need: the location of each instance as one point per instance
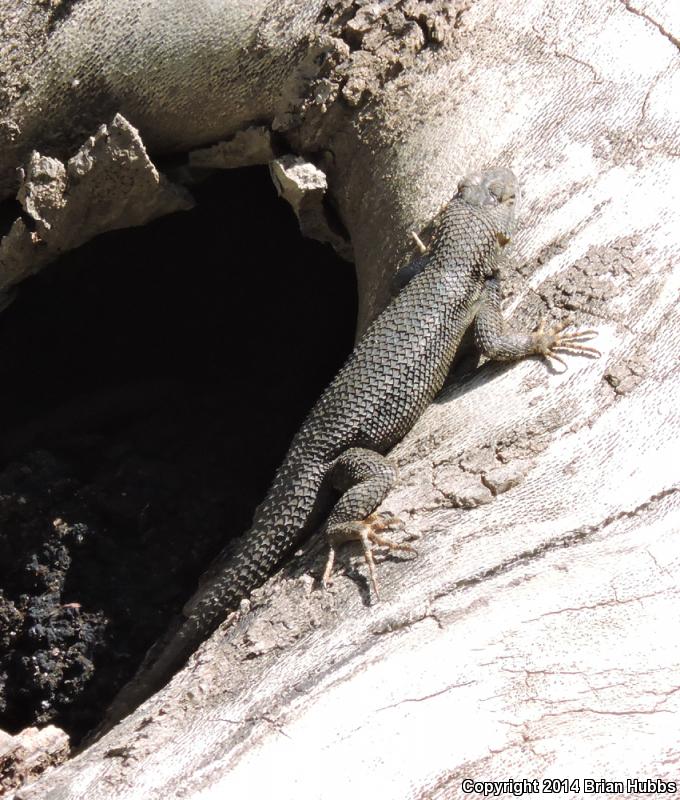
(533, 636)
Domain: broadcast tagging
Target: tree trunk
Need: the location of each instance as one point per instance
(534, 635)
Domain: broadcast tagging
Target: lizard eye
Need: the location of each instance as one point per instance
(501, 192)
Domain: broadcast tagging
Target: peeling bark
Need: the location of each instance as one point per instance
(304, 186)
(28, 754)
(109, 183)
(534, 634)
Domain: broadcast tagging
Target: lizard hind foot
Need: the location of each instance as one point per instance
(369, 532)
(573, 342)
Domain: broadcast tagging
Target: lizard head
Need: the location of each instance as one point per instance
(497, 192)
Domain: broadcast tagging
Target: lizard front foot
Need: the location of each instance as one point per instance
(548, 341)
(369, 532)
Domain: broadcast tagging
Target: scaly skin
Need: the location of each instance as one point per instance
(392, 375)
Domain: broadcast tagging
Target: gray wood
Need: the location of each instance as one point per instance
(535, 634)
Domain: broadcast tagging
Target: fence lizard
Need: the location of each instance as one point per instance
(394, 372)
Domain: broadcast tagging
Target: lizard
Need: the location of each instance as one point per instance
(394, 372)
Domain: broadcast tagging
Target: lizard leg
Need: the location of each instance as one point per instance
(501, 344)
(365, 477)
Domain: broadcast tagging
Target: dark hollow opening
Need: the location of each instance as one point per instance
(151, 382)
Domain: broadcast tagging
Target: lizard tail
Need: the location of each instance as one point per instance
(287, 513)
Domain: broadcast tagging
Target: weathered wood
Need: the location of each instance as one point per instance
(534, 636)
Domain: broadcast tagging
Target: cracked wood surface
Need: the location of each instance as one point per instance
(534, 635)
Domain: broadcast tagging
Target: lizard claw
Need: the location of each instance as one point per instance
(369, 532)
(548, 341)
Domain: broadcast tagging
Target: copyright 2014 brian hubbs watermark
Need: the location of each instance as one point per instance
(569, 786)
